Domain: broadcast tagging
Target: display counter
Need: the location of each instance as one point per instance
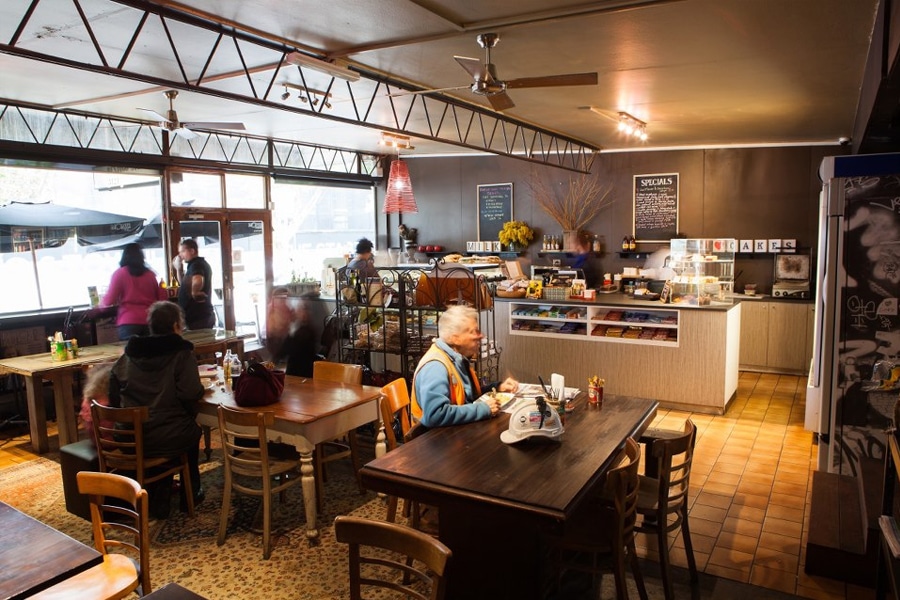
(684, 356)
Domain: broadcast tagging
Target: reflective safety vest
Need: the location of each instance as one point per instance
(457, 389)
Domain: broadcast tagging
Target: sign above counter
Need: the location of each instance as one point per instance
(655, 207)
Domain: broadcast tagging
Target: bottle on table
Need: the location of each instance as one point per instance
(236, 366)
(226, 366)
(625, 244)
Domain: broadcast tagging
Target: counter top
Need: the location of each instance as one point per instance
(624, 300)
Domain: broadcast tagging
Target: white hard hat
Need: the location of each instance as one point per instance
(532, 418)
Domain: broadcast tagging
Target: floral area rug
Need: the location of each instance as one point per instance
(184, 550)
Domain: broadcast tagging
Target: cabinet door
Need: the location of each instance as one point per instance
(754, 333)
(810, 328)
(788, 324)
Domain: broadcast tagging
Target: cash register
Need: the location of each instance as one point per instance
(556, 276)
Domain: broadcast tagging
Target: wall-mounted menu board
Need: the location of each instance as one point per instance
(495, 207)
(655, 207)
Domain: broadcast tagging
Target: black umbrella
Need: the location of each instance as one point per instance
(28, 227)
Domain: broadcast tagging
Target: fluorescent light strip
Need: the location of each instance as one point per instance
(335, 70)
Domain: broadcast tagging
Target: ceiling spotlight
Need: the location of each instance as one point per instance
(285, 95)
(306, 94)
(396, 141)
(633, 126)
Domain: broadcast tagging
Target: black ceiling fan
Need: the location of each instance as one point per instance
(171, 122)
(488, 84)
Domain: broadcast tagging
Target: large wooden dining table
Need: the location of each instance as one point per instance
(494, 500)
(309, 412)
(35, 368)
(34, 556)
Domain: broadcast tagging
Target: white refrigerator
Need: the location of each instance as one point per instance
(857, 327)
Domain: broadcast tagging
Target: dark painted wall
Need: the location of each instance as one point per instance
(751, 193)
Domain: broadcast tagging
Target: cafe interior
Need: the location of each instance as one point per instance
(279, 134)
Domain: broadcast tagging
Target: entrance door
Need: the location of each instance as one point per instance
(235, 243)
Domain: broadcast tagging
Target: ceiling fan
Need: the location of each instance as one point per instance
(487, 84)
(171, 122)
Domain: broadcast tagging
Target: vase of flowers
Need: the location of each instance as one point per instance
(516, 235)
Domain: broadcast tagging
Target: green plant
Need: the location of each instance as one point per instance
(516, 232)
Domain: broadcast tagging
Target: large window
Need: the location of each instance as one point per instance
(62, 231)
(315, 225)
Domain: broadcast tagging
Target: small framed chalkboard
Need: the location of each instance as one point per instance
(655, 207)
(495, 207)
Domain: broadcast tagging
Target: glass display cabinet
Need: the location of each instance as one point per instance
(704, 271)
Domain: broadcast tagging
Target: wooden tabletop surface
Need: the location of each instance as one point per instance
(34, 556)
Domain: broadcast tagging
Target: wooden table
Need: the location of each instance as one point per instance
(308, 413)
(495, 499)
(34, 556)
(35, 368)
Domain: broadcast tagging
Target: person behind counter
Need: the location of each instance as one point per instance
(132, 288)
(160, 371)
(586, 261)
(196, 286)
(363, 263)
(445, 385)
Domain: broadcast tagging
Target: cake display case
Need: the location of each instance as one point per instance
(704, 271)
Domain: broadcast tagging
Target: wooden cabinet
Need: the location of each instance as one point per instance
(776, 336)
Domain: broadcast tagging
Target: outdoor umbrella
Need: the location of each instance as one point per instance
(50, 225)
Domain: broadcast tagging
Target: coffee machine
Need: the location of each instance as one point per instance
(791, 276)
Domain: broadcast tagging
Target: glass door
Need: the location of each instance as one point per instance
(235, 243)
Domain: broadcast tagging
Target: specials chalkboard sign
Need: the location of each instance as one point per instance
(655, 207)
(495, 207)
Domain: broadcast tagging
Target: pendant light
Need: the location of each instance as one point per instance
(399, 197)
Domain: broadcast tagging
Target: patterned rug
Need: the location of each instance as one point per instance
(184, 550)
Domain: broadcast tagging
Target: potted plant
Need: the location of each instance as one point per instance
(516, 235)
(573, 205)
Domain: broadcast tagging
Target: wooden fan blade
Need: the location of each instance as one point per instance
(155, 115)
(500, 101)
(473, 66)
(553, 80)
(214, 125)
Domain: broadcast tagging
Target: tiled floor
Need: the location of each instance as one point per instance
(750, 488)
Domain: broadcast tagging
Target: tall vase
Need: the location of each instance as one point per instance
(570, 239)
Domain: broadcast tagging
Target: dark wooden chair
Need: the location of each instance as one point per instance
(663, 496)
(119, 574)
(606, 529)
(246, 451)
(119, 437)
(379, 570)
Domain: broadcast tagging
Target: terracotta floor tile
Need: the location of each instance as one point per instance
(773, 579)
(710, 513)
(720, 488)
(742, 575)
(701, 543)
(735, 541)
(751, 500)
(790, 489)
(780, 511)
(761, 478)
(704, 526)
(756, 465)
(726, 467)
(719, 501)
(756, 489)
(731, 558)
(747, 513)
(774, 559)
(782, 543)
(782, 527)
(678, 558)
(742, 526)
(723, 478)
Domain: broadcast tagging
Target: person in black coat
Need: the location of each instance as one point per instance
(160, 371)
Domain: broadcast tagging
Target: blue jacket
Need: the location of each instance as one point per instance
(431, 387)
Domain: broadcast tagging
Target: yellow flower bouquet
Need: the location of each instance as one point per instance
(516, 232)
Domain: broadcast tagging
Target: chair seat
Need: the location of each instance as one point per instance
(116, 577)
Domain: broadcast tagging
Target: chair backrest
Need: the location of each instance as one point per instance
(674, 457)
(622, 485)
(119, 438)
(338, 372)
(245, 441)
(395, 404)
(130, 522)
(399, 539)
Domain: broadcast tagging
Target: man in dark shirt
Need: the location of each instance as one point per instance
(196, 286)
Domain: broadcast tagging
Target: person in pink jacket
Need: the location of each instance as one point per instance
(133, 288)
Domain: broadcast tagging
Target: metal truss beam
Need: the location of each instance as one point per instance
(369, 102)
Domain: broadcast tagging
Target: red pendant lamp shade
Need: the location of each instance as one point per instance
(399, 197)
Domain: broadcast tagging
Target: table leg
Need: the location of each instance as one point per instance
(37, 414)
(65, 408)
(308, 482)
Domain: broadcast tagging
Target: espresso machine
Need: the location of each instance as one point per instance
(791, 276)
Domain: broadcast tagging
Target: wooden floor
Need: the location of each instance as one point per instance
(750, 483)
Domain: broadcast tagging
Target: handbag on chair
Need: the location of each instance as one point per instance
(258, 386)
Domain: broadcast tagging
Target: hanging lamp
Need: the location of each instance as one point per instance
(399, 197)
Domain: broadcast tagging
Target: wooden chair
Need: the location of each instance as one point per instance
(118, 575)
(395, 405)
(663, 497)
(607, 529)
(119, 437)
(400, 540)
(245, 447)
(327, 452)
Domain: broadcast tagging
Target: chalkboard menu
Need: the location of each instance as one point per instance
(655, 207)
(494, 209)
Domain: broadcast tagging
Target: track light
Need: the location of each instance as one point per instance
(285, 95)
(396, 141)
(329, 68)
(632, 126)
(313, 96)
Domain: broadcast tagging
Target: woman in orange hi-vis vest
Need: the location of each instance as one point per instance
(445, 385)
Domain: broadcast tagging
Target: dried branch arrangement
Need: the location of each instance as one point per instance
(572, 204)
